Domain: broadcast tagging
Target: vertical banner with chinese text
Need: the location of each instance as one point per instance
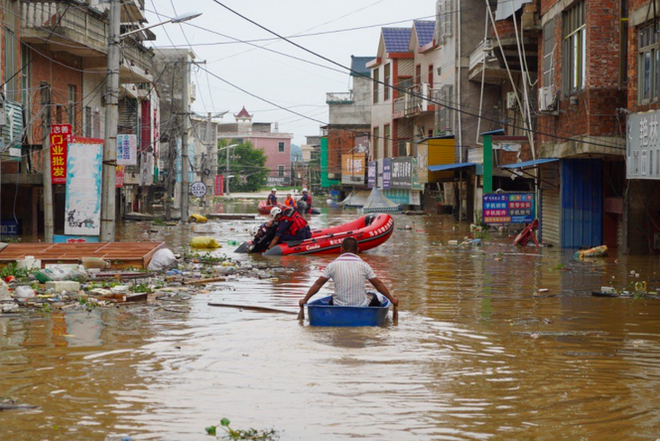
(83, 187)
(60, 136)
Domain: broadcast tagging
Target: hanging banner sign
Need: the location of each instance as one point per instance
(371, 173)
(219, 185)
(82, 208)
(127, 149)
(60, 136)
(387, 173)
(402, 172)
(119, 176)
(508, 208)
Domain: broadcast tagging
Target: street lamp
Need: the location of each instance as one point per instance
(227, 166)
(108, 191)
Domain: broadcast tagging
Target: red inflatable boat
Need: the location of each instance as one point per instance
(370, 231)
(264, 208)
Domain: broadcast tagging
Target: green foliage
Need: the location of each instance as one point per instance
(143, 287)
(203, 257)
(158, 222)
(20, 274)
(238, 435)
(246, 163)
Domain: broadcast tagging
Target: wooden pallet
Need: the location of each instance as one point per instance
(120, 254)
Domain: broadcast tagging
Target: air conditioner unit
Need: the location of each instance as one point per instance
(547, 101)
(511, 100)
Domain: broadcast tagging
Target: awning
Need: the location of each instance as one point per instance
(528, 164)
(436, 168)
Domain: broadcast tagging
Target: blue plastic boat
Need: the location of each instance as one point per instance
(323, 314)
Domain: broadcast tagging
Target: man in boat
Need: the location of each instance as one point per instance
(272, 199)
(349, 273)
(305, 202)
(290, 202)
(291, 226)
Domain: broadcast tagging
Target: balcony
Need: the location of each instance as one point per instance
(80, 31)
(483, 57)
(339, 98)
(415, 101)
(132, 11)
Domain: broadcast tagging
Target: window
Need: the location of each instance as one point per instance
(418, 74)
(648, 65)
(88, 122)
(430, 79)
(375, 86)
(11, 78)
(25, 77)
(280, 171)
(280, 147)
(446, 115)
(444, 21)
(376, 143)
(386, 80)
(548, 53)
(71, 107)
(388, 141)
(574, 50)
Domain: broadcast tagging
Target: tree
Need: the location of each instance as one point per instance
(246, 163)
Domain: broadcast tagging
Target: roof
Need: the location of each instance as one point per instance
(396, 39)
(243, 114)
(529, 164)
(359, 65)
(425, 30)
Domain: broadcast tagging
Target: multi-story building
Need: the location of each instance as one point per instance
(265, 136)
(56, 69)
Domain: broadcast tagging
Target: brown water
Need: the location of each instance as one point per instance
(477, 352)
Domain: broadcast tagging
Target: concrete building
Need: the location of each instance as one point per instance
(56, 53)
(264, 136)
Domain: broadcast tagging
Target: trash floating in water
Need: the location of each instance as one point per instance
(599, 251)
(204, 242)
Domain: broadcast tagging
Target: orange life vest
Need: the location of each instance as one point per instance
(297, 222)
(290, 202)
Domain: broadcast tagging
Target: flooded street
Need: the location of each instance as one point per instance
(478, 353)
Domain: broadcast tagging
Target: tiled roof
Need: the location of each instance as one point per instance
(425, 30)
(243, 113)
(396, 39)
(359, 65)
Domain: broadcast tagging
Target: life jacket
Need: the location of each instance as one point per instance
(290, 202)
(296, 221)
(308, 199)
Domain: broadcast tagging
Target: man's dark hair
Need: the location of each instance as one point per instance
(350, 245)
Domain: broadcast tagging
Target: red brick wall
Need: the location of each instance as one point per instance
(341, 140)
(594, 113)
(65, 70)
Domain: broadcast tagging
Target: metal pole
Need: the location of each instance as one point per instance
(111, 121)
(48, 183)
(227, 172)
(185, 165)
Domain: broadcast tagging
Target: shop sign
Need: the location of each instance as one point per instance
(643, 146)
(371, 173)
(387, 173)
(127, 149)
(60, 136)
(508, 208)
(82, 209)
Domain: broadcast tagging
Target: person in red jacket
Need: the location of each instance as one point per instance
(292, 226)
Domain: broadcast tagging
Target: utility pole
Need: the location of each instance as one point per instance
(211, 158)
(185, 165)
(227, 172)
(111, 120)
(49, 228)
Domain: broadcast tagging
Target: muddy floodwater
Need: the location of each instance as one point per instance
(481, 350)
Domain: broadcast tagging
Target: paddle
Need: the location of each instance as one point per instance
(250, 307)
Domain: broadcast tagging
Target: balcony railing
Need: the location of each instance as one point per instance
(138, 61)
(77, 29)
(414, 101)
(339, 98)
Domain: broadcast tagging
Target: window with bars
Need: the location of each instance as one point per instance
(446, 114)
(88, 122)
(375, 86)
(11, 78)
(71, 107)
(444, 20)
(280, 171)
(280, 147)
(386, 80)
(430, 79)
(647, 67)
(574, 48)
(548, 53)
(387, 141)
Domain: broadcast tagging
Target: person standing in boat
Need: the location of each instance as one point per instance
(291, 226)
(272, 199)
(350, 273)
(305, 202)
(290, 202)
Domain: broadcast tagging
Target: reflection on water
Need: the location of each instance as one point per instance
(481, 351)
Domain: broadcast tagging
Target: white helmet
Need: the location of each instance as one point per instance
(304, 189)
(275, 211)
(274, 189)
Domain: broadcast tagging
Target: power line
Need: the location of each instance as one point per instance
(525, 129)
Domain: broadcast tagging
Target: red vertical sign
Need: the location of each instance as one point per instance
(119, 176)
(219, 185)
(60, 136)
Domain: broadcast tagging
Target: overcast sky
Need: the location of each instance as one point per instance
(293, 84)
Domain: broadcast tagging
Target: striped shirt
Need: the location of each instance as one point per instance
(349, 273)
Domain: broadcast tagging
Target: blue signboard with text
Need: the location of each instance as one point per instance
(387, 173)
(508, 208)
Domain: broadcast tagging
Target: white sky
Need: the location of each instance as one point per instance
(290, 83)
